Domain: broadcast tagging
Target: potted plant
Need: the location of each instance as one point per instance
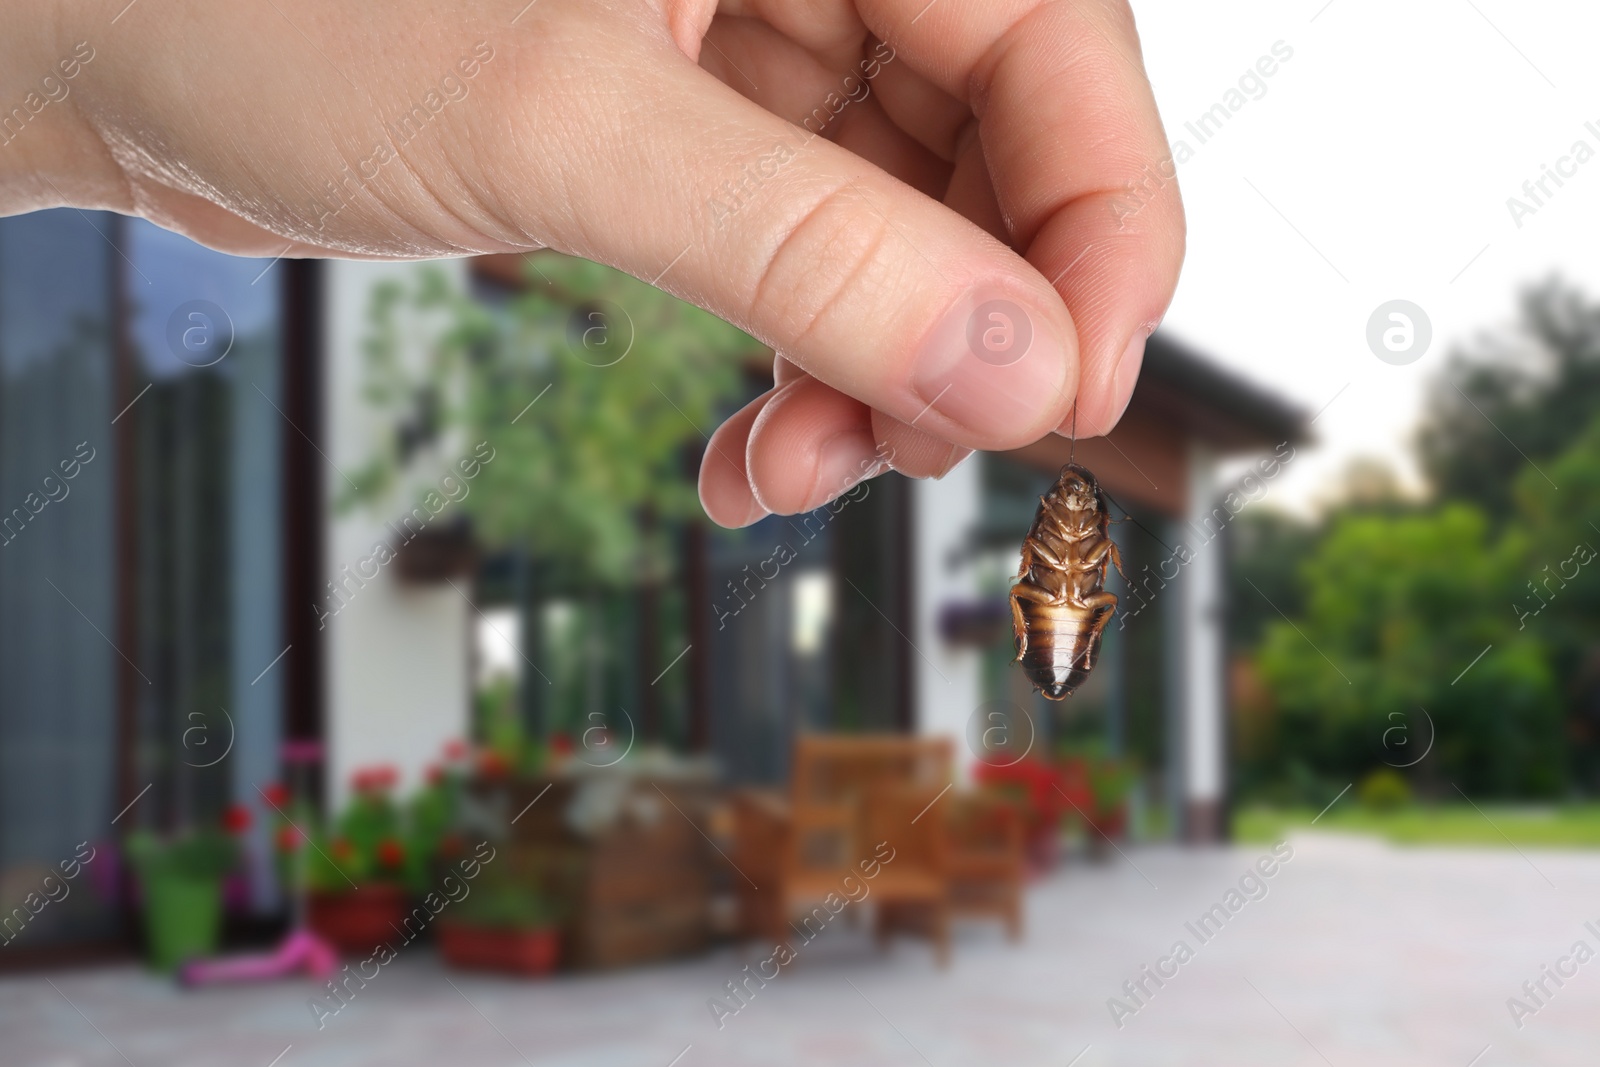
(180, 884)
(1036, 787)
(360, 875)
(1107, 781)
(502, 926)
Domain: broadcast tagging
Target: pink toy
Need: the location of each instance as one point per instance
(300, 951)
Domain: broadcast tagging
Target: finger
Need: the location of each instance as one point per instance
(972, 193)
(897, 445)
(809, 445)
(868, 132)
(725, 490)
(784, 372)
(859, 280)
(913, 452)
(832, 101)
(1075, 147)
(831, 29)
(926, 112)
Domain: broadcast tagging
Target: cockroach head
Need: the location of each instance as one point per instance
(1077, 489)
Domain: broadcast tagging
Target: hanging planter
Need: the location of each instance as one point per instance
(437, 553)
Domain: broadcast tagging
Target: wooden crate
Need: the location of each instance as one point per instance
(638, 891)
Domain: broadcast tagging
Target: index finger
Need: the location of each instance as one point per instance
(1077, 156)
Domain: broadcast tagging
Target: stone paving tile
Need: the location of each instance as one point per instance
(1356, 954)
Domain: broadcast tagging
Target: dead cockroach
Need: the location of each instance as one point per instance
(1059, 606)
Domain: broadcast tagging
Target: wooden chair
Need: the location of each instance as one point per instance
(847, 793)
(986, 862)
(912, 890)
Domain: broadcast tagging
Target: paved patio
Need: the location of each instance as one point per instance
(1357, 954)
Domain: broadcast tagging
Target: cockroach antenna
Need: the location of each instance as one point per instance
(1127, 516)
(1072, 449)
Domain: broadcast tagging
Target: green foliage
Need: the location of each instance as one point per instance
(1110, 778)
(376, 839)
(1393, 601)
(1385, 789)
(1483, 826)
(505, 905)
(1511, 397)
(1266, 550)
(1396, 608)
(622, 380)
(196, 855)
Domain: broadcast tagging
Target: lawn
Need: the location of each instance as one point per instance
(1553, 826)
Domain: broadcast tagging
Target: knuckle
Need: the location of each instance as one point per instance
(826, 259)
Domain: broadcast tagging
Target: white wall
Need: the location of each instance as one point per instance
(397, 655)
(947, 679)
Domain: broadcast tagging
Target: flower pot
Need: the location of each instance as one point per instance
(358, 920)
(182, 918)
(488, 948)
(1103, 829)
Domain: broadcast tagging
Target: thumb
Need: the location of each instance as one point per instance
(863, 282)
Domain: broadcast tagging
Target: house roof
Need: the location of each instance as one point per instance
(1216, 405)
(1182, 400)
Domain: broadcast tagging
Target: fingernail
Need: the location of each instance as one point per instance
(1126, 375)
(992, 367)
(952, 461)
(729, 501)
(844, 460)
(755, 514)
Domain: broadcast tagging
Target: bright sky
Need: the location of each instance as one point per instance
(1376, 166)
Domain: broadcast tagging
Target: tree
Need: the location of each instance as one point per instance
(1513, 397)
(589, 387)
(1397, 608)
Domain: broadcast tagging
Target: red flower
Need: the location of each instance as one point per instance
(493, 765)
(287, 839)
(236, 819)
(455, 750)
(391, 853)
(561, 745)
(374, 779)
(435, 774)
(343, 850)
(276, 794)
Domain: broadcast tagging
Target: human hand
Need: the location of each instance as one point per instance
(968, 153)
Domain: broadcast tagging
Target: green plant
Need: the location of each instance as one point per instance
(1110, 782)
(589, 478)
(1385, 789)
(1110, 779)
(196, 855)
(1396, 607)
(377, 840)
(504, 905)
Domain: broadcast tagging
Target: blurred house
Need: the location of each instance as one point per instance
(188, 598)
